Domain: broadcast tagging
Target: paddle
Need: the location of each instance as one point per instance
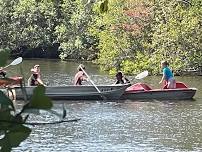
(89, 79)
(15, 62)
(103, 97)
(142, 75)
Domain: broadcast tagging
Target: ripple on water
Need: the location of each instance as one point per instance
(129, 126)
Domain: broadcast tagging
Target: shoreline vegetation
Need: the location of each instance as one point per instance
(131, 36)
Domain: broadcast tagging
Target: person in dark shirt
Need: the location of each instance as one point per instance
(120, 79)
(35, 78)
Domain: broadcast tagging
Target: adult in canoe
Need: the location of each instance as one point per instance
(121, 79)
(80, 75)
(167, 76)
(10, 82)
(35, 78)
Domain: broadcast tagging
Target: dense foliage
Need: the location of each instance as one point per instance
(131, 35)
(137, 35)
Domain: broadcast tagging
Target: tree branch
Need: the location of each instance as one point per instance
(40, 123)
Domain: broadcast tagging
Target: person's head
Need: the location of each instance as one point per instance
(80, 67)
(36, 68)
(164, 64)
(119, 75)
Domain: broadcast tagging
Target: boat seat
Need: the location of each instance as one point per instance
(138, 87)
(178, 85)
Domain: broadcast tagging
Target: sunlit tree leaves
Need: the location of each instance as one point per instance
(104, 6)
(152, 30)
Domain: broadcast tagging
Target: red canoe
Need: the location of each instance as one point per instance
(10, 81)
(143, 91)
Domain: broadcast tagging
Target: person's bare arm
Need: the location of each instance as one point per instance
(40, 82)
(163, 78)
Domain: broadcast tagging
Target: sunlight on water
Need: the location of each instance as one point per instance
(129, 126)
(115, 126)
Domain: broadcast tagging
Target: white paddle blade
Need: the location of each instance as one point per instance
(142, 75)
(16, 61)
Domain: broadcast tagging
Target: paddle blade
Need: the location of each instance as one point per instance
(16, 61)
(142, 75)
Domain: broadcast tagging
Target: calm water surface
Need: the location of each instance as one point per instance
(120, 126)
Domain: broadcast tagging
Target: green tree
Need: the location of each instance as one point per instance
(120, 33)
(33, 23)
(137, 35)
(72, 34)
(177, 33)
(107, 29)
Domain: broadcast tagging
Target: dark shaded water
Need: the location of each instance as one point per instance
(115, 126)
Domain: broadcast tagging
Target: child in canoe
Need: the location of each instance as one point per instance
(167, 76)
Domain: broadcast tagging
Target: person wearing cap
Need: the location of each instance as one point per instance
(120, 79)
(35, 78)
(80, 76)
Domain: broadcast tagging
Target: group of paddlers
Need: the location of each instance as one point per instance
(35, 78)
(80, 76)
(167, 78)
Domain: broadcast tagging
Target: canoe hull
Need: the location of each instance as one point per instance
(161, 94)
(108, 92)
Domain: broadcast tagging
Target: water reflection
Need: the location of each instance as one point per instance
(128, 126)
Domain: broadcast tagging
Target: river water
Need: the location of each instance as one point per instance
(119, 126)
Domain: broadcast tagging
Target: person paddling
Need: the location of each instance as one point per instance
(80, 76)
(121, 79)
(167, 76)
(35, 78)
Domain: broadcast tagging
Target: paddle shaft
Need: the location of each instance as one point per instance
(141, 75)
(6, 67)
(15, 62)
(90, 80)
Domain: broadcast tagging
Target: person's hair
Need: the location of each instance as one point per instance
(119, 74)
(79, 67)
(36, 66)
(165, 63)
